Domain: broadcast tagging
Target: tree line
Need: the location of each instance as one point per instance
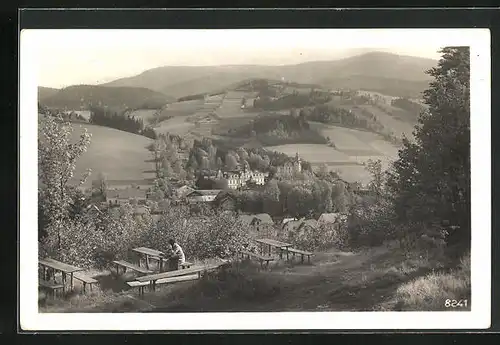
(102, 117)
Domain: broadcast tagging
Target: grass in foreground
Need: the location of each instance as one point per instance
(380, 279)
(430, 292)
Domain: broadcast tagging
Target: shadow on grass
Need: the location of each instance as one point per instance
(110, 281)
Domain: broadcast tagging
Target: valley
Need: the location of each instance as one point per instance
(225, 111)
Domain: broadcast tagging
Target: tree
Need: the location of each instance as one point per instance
(100, 187)
(231, 162)
(374, 167)
(299, 201)
(57, 156)
(430, 181)
(323, 170)
(242, 153)
(340, 197)
(219, 163)
(271, 197)
(205, 163)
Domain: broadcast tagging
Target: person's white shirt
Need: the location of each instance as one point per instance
(179, 252)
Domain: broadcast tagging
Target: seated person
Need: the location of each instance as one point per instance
(176, 256)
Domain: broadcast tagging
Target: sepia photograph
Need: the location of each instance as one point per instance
(301, 178)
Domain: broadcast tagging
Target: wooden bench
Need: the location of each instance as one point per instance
(162, 260)
(195, 270)
(48, 285)
(126, 265)
(302, 253)
(261, 258)
(142, 285)
(85, 280)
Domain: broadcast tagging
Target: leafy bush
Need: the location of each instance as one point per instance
(215, 236)
(371, 223)
(95, 240)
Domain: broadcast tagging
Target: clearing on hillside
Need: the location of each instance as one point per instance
(145, 114)
(176, 125)
(345, 139)
(118, 154)
(355, 142)
(399, 127)
(314, 153)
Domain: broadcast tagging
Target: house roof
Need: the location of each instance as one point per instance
(264, 218)
(329, 217)
(126, 193)
(184, 190)
(128, 183)
(204, 192)
(140, 210)
(310, 222)
(246, 219)
(292, 224)
(224, 195)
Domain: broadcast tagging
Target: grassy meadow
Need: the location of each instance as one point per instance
(120, 155)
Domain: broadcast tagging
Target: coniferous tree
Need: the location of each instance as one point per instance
(431, 179)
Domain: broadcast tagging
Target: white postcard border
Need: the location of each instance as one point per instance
(477, 318)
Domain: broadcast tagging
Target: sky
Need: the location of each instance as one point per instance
(89, 56)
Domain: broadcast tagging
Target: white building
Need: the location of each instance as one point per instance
(237, 179)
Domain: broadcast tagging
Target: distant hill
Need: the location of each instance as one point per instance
(387, 86)
(378, 69)
(74, 97)
(44, 92)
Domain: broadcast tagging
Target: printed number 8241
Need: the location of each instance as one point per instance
(453, 303)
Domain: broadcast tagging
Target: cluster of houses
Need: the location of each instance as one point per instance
(240, 178)
(263, 222)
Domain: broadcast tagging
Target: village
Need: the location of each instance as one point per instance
(138, 194)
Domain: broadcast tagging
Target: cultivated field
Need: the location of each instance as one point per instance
(314, 153)
(356, 142)
(399, 127)
(118, 154)
(346, 140)
(176, 125)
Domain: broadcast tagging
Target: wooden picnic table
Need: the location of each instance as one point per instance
(274, 243)
(59, 266)
(147, 252)
(187, 271)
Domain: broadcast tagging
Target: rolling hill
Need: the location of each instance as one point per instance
(45, 92)
(118, 154)
(388, 72)
(74, 97)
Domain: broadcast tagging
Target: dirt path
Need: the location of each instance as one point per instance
(337, 281)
